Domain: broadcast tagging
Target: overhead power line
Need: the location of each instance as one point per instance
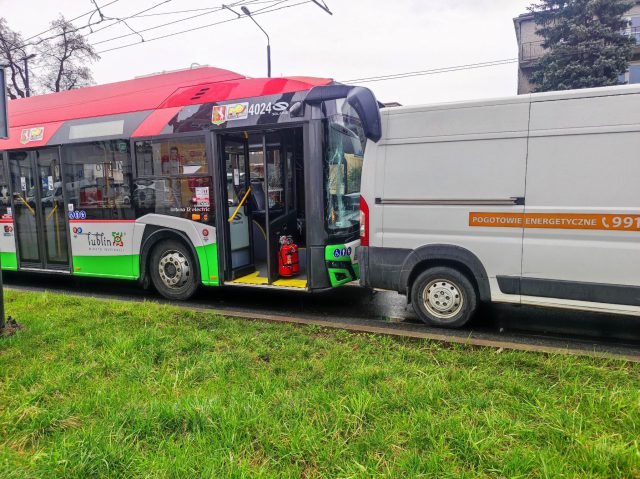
(90, 24)
(91, 12)
(433, 71)
(162, 25)
(257, 12)
(207, 9)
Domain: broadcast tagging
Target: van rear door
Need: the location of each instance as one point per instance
(582, 236)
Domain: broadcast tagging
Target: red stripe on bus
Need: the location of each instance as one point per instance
(6, 221)
(102, 221)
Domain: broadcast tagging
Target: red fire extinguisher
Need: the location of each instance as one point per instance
(288, 264)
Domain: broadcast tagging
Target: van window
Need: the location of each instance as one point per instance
(342, 174)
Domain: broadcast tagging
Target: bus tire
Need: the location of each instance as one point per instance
(444, 297)
(173, 270)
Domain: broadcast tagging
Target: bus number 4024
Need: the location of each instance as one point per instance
(262, 108)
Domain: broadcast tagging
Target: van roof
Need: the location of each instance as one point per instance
(530, 97)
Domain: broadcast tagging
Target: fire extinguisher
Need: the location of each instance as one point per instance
(288, 264)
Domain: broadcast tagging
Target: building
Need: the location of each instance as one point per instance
(530, 48)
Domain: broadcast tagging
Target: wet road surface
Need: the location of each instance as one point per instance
(526, 325)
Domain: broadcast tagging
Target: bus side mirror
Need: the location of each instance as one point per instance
(296, 110)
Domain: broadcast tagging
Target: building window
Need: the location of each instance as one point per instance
(633, 30)
(632, 75)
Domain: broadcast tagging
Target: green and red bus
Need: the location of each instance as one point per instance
(188, 178)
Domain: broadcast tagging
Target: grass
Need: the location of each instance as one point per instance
(106, 389)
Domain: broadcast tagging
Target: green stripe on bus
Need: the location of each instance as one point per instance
(208, 260)
(338, 259)
(120, 266)
(9, 261)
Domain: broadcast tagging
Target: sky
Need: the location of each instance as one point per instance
(363, 38)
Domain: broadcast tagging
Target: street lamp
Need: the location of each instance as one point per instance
(247, 12)
(26, 74)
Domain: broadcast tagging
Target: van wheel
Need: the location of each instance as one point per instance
(173, 270)
(444, 297)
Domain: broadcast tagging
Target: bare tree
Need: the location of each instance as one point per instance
(62, 60)
(12, 55)
(66, 57)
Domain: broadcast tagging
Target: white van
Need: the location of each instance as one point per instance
(533, 199)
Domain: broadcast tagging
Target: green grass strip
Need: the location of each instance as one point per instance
(95, 388)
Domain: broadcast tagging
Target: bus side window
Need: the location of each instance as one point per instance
(98, 179)
(5, 200)
(173, 179)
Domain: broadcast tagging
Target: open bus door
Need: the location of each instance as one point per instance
(261, 171)
(238, 220)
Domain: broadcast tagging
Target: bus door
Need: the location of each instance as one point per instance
(236, 168)
(263, 203)
(282, 216)
(38, 209)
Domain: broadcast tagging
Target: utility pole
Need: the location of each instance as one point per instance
(4, 117)
(5, 329)
(27, 89)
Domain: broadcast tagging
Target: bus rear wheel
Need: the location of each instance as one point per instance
(173, 270)
(444, 297)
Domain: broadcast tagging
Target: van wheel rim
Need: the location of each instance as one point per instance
(443, 299)
(174, 269)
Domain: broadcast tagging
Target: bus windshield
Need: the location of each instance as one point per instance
(342, 172)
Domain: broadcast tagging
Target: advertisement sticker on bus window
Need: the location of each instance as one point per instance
(70, 207)
(50, 183)
(202, 192)
(28, 135)
(78, 215)
(236, 176)
(23, 183)
(238, 111)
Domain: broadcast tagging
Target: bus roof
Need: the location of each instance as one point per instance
(160, 95)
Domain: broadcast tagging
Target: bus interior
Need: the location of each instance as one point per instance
(264, 174)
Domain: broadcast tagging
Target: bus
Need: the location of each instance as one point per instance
(188, 178)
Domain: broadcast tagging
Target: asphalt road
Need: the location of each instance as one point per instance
(516, 324)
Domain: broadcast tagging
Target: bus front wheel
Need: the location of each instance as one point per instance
(444, 297)
(173, 270)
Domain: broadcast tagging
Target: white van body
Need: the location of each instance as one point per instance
(536, 198)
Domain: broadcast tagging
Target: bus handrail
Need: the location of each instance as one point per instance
(244, 198)
(26, 204)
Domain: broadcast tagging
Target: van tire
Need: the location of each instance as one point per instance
(444, 297)
(173, 270)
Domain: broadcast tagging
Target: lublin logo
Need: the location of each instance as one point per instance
(100, 239)
(117, 239)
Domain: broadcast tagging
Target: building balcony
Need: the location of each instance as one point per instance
(532, 51)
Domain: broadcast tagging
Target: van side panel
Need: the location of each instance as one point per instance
(440, 166)
(584, 165)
